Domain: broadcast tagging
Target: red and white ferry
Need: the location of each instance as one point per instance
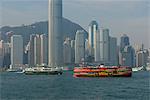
(103, 71)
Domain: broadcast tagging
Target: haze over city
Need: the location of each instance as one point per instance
(121, 17)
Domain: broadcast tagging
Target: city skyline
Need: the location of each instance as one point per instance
(111, 14)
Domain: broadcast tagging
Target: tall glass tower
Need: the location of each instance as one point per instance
(124, 42)
(93, 29)
(55, 35)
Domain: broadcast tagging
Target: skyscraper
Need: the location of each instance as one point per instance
(113, 51)
(44, 49)
(124, 42)
(102, 46)
(16, 51)
(73, 51)
(31, 50)
(79, 46)
(128, 56)
(142, 57)
(1, 53)
(93, 28)
(55, 35)
(127, 52)
(67, 51)
(37, 50)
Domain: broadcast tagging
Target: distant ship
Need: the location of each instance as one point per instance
(43, 70)
(148, 67)
(99, 71)
(135, 69)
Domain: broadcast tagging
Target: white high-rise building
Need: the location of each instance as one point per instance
(44, 49)
(31, 50)
(55, 36)
(73, 51)
(1, 53)
(37, 50)
(79, 46)
(93, 28)
(67, 51)
(97, 47)
(16, 51)
(102, 46)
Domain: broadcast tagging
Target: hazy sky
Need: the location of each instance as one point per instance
(131, 17)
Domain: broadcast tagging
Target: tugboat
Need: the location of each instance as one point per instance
(103, 71)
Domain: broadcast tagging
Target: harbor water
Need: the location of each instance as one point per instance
(18, 86)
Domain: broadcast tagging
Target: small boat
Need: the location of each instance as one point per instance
(135, 69)
(14, 70)
(43, 70)
(148, 67)
(102, 71)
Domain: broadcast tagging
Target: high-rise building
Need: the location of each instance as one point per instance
(124, 42)
(6, 52)
(1, 53)
(113, 51)
(55, 35)
(93, 28)
(97, 47)
(142, 57)
(86, 49)
(128, 56)
(37, 50)
(127, 52)
(16, 51)
(31, 50)
(72, 51)
(44, 49)
(67, 51)
(79, 46)
(102, 46)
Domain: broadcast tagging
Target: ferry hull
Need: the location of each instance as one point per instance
(43, 73)
(103, 72)
(95, 75)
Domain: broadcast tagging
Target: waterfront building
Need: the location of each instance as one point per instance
(67, 51)
(6, 52)
(93, 28)
(44, 49)
(97, 47)
(31, 50)
(124, 42)
(102, 46)
(142, 56)
(113, 51)
(86, 49)
(128, 56)
(55, 35)
(16, 51)
(1, 53)
(72, 51)
(79, 46)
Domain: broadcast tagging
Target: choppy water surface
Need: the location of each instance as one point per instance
(17, 86)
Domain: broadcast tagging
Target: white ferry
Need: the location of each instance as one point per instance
(43, 70)
(135, 69)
